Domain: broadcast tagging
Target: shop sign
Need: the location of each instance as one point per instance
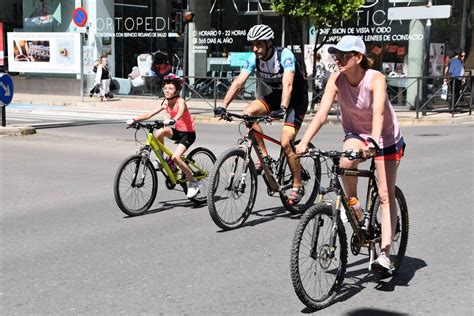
(419, 12)
(201, 39)
(135, 27)
(375, 25)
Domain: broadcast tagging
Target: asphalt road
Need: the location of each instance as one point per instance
(67, 249)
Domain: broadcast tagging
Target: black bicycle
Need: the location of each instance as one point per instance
(234, 177)
(319, 248)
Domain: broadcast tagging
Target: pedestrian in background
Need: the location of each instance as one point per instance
(102, 78)
(454, 75)
(320, 79)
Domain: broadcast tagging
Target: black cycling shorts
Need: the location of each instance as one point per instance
(185, 138)
(296, 109)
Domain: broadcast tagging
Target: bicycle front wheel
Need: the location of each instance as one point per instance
(400, 236)
(232, 189)
(310, 179)
(317, 269)
(204, 159)
(135, 185)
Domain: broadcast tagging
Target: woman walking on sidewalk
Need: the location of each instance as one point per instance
(102, 78)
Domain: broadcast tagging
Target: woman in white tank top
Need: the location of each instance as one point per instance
(365, 112)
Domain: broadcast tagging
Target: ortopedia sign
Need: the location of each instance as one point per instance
(6, 89)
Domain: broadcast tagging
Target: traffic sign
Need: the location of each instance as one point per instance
(419, 12)
(78, 29)
(6, 89)
(79, 17)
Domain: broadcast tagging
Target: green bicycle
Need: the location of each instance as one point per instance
(136, 180)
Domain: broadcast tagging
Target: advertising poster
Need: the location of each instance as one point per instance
(88, 60)
(41, 13)
(239, 59)
(2, 63)
(44, 52)
(436, 59)
(326, 58)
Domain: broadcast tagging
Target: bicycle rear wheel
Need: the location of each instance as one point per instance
(233, 192)
(204, 159)
(135, 185)
(310, 178)
(317, 272)
(400, 237)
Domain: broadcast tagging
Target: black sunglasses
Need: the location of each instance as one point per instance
(343, 56)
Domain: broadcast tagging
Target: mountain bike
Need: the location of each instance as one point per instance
(319, 248)
(136, 180)
(233, 178)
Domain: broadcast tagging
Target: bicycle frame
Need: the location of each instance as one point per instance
(251, 141)
(336, 187)
(159, 148)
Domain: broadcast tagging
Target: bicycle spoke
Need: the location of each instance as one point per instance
(317, 270)
(235, 192)
(135, 197)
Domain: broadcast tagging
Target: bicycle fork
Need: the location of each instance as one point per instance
(139, 179)
(328, 250)
(241, 182)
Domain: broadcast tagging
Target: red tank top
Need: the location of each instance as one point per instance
(186, 122)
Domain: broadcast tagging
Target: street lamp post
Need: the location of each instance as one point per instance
(188, 17)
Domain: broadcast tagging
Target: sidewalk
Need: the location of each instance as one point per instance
(202, 110)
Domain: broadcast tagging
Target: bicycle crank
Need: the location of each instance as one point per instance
(356, 245)
(169, 184)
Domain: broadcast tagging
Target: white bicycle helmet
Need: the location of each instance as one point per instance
(260, 32)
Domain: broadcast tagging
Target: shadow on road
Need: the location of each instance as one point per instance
(267, 215)
(357, 280)
(374, 312)
(171, 204)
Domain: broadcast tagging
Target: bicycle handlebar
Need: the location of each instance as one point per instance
(228, 116)
(351, 154)
(376, 145)
(150, 126)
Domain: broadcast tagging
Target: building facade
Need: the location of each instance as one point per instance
(214, 43)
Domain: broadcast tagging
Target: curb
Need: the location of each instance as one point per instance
(14, 130)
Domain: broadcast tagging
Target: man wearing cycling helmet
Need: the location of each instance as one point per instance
(184, 131)
(287, 98)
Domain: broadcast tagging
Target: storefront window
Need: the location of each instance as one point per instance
(148, 27)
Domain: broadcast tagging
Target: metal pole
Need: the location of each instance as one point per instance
(81, 53)
(464, 25)
(185, 60)
(4, 116)
(427, 65)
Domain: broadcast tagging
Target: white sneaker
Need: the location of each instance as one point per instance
(156, 163)
(193, 189)
(382, 264)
